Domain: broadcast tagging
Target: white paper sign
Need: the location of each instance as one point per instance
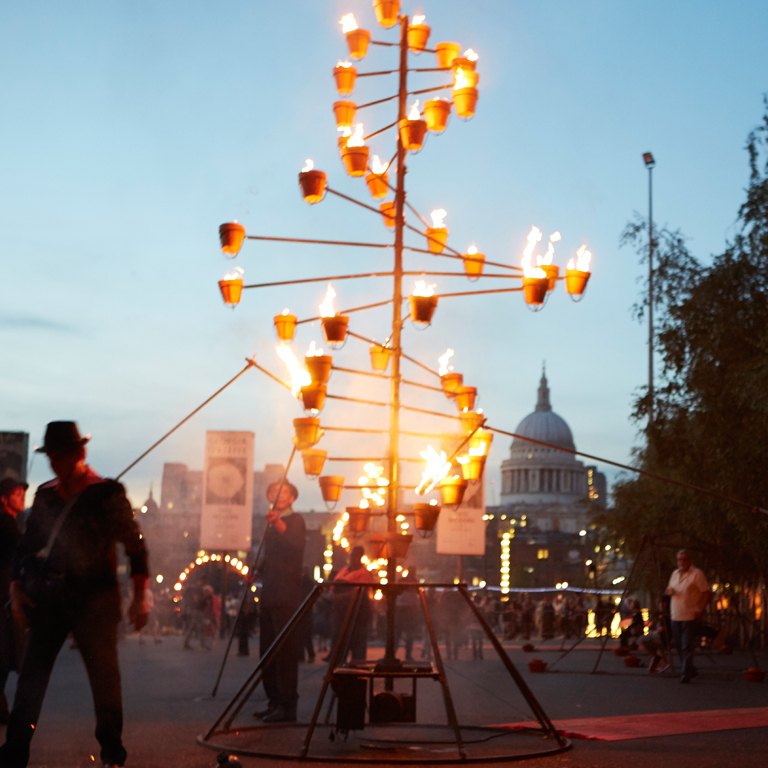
(462, 531)
(226, 521)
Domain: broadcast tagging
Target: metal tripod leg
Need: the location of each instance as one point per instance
(340, 651)
(239, 700)
(449, 709)
(537, 709)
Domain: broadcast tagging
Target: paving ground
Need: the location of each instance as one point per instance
(168, 702)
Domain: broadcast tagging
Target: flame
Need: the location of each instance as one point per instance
(443, 360)
(418, 19)
(433, 503)
(463, 459)
(584, 257)
(344, 64)
(548, 257)
(414, 113)
(437, 218)
(348, 23)
(235, 274)
(356, 139)
(308, 167)
(377, 167)
(437, 468)
(422, 289)
(471, 55)
(345, 131)
(299, 376)
(375, 496)
(471, 251)
(533, 237)
(313, 351)
(460, 80)
(326, 308)
(479, 451)
(285, 311)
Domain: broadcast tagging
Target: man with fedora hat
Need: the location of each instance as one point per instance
(64, 580)
(281, 594)
(12, 494)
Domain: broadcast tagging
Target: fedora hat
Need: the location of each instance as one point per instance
(62, 437)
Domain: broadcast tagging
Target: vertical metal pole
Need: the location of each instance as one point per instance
(394, 417)
(650, 294)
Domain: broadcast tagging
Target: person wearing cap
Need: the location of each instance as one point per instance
(74, 524)
(12, 494)
(280, 572)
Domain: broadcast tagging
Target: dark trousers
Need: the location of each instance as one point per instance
(682, 637)
(93, 624)
(281, 675)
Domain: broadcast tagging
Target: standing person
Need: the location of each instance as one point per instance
(689, 592)
(75, 522)
(12, 493)
(280, 573)
(355, 573)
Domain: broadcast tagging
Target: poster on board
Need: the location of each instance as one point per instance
(226, 522)
(461, 531)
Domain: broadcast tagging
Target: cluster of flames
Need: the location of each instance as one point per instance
(422, 289)
(443, 361)
(438, 216)
(376, 495)
(435, 470)
(581, 263)
(235, 274)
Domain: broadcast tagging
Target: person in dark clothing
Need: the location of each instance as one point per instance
(76, 521)
(307, 629)
(12, 494)
(280, 573)
(355, 573)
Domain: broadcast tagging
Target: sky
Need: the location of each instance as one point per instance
(131, 130)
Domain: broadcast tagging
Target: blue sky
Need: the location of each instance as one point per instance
(132, 130)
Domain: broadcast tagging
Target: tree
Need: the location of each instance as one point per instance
(711, 403)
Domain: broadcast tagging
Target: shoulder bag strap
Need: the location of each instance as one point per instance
(45, 553)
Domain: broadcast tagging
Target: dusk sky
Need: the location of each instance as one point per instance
(131, 130)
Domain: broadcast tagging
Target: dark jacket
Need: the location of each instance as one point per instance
(84, 551)
(281, 566)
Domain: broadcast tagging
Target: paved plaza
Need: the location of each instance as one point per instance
(168, 703)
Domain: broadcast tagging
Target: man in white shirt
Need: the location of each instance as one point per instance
(690, 594)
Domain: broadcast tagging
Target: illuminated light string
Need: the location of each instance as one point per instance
(203, 558)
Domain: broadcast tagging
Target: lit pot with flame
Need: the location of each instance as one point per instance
(577, 272)
(535, 279)
(357, 39)
(481, 441)
(308, 432)
(380, 357)
(472, 464)
(344, 111)
(386, 12)
(318, 365)
(331, 487)
(436, 114)
(313, 397)
(355, 153)
(437, 234)
(418, 34)
(345, 75)
(231, 236)
(467, 63)
(285, 325)
(231, 287)
(413, 129)
(436, 468)
(388, 213)
(423, 302)
(452, 490)
(464, 94)
(334, 326)
(473, 263)
(465, 398)
(377, 179)
(470, 421)
(446, 54)
(449, 379)
(359, 519)
(312, 183)
(314, 461)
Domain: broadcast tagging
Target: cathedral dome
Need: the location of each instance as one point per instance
(543, 424)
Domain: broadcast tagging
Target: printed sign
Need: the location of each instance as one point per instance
(226, 521)
(461, 531)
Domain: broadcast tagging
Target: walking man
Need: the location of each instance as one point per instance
(64, 579)
(280, 573)
(12, 494)
(690, 594)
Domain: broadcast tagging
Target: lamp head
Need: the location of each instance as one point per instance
(649, 161)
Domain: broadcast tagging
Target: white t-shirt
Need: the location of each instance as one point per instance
(687, 591)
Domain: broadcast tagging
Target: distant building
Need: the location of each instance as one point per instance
(14, 449)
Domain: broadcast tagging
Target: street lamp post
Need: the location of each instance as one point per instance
(649, 163)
